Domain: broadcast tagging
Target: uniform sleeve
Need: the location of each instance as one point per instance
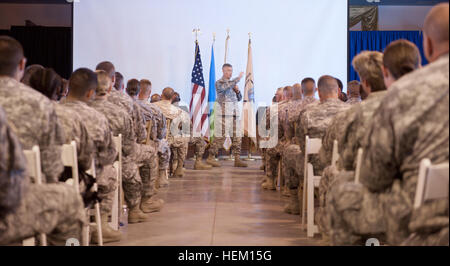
(87, 149)
(129, 139)
(379, 167)
(162, 127)
(106, 150)
(139, 123)
(50, 147)
(222, 87)
(12, 169)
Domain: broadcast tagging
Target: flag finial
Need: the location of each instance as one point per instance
(196, 32)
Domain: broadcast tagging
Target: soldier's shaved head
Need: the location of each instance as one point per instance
(287, 93)
(108, 67)
(118, 85)
(82, 82)
(308, 86)
(328, 87)
(12, 60)
(146, 89)
(133, 87)
(155, 98)
(297, 91)
(436, 36)
(167, 94)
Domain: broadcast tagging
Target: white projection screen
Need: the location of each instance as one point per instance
(153, 39)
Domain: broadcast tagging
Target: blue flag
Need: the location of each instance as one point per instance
(212, 94)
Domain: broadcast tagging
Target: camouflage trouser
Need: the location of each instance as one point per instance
(107, 184)
(273, 157)
(53, 209)
(439, 238)
(131, 182)
(200, 145)
(292, 166)
(179, 150)
(163, 155)
(330, 177)
(149, 169)
(355, 214)
(219, 137)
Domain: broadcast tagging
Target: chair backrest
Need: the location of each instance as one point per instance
(70, 159)
(335, 154)
(91, 170)
(432, 182)
(312, 146)
(118, 143)
(34, 163)
(359, 156)
(168, 123)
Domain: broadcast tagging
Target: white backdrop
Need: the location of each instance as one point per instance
(153, 39)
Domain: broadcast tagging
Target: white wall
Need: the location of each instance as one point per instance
(41, 14)
(153, 39)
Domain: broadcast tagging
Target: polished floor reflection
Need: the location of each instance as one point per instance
(222, 207)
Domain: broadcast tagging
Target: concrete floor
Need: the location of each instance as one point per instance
(221, 207)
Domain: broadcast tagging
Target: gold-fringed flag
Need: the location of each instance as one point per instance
(248, 111)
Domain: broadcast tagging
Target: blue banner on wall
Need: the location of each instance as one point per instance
(395, 2)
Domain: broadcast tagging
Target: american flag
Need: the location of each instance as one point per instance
(199, 104)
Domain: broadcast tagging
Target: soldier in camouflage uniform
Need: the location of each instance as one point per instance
(179, 120)
(408, 126)
(345, 127)
(28, 209)
(274, 154)
(313, 121)
(48, 82)
(354, 97)
(199, 143)
(227, 116)
(152, 113)
(82, 84)
(33, 117)
(139, 187)
(291, 164)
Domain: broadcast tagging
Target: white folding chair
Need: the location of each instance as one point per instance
(118, 194)
(312, 146)
(432, 182)
(98, 222)
(335, 154)
(70, 159)
(359, 156)
(34, 170)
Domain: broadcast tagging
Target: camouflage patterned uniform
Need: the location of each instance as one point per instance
(410, 125)
(135, 185)
(227, 103)
(75, 129)
(353, 100)
(159, 131)
(273, 155)
(35, 123)
(100, 132)
(291, 163)
(178, 119)
(29, 209)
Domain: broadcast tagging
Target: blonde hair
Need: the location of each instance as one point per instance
(369, 64)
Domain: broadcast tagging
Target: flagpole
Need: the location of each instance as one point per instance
(249, 157)
(230, 158)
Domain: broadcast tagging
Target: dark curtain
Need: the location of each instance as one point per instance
(378, 40)
(47, 46)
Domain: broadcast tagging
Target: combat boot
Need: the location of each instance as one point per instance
(262, 167)
(293, 207)
(151, 204)
(269, 184)
(179, 172)
(264, 180)
(136, 215)
(212, 161)
(163, 180)
(238, 162)
(108, 234)
(199, 165)
(286, 192)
